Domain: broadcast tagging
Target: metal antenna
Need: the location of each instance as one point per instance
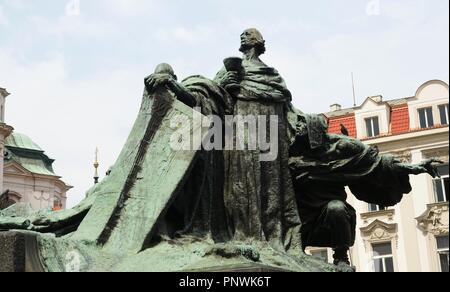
(354, 92)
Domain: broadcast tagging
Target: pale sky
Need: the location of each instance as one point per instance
(76, 75)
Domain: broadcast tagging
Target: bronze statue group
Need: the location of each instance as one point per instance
(295, 201)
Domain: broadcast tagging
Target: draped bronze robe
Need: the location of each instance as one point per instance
(259, 195)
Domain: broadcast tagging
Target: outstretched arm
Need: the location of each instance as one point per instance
(10, 223)
(390, 180)
(428, 166)
(157, 80)
(51, 221)
(182, 93)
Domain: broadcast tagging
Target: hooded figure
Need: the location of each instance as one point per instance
(322, 165)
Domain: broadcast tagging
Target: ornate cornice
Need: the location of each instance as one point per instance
(379, 231)
(435, 219)
(403, 156)
(441, 154)
(5, 130)
(383, 214)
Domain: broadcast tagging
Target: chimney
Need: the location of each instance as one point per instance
(377, 98)
(335, 107)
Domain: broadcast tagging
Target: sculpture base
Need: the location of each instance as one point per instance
(242, 268)
(18, 252)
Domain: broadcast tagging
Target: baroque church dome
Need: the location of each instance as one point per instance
(18, 140)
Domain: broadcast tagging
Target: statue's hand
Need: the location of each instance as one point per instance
(156, 80)
(9, 223)
(40, 220)
(230, 78)
(430, 166)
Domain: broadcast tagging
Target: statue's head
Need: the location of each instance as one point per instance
(165, 68)
(252, 38)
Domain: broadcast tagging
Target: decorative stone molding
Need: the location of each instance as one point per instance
(441, 154)
(435, 219)
(5, 130)
(15, 196)
(403, 156)
(380, 215)
(379, 231)
(15, 169)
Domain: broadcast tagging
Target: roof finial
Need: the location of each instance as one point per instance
(96, 165)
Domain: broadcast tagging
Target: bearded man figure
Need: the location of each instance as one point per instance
(259, 195)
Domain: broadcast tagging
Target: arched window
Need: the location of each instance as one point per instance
(7, 199)
(57, 204)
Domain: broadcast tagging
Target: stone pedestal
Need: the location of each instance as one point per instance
(242, 268)
(18, 252)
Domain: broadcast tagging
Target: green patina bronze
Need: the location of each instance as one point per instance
(22, 141)
(161, 209)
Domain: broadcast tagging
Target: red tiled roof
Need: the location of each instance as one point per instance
(348, 121)
(407, 132)
(400, 120)
(399, 124)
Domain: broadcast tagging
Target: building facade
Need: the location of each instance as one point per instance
(26, 172)
(5, 131)
(412, 236)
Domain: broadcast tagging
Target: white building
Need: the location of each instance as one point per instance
(26, 172)
(414, 235)
(5, 131)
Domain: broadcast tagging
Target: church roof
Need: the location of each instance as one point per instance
(25, 152)
(22, 141)
(36, 166)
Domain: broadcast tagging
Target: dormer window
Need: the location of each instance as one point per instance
(372, 127)
(443, 111)
(426, 118)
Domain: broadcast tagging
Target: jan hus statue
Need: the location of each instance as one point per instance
(167, 210)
